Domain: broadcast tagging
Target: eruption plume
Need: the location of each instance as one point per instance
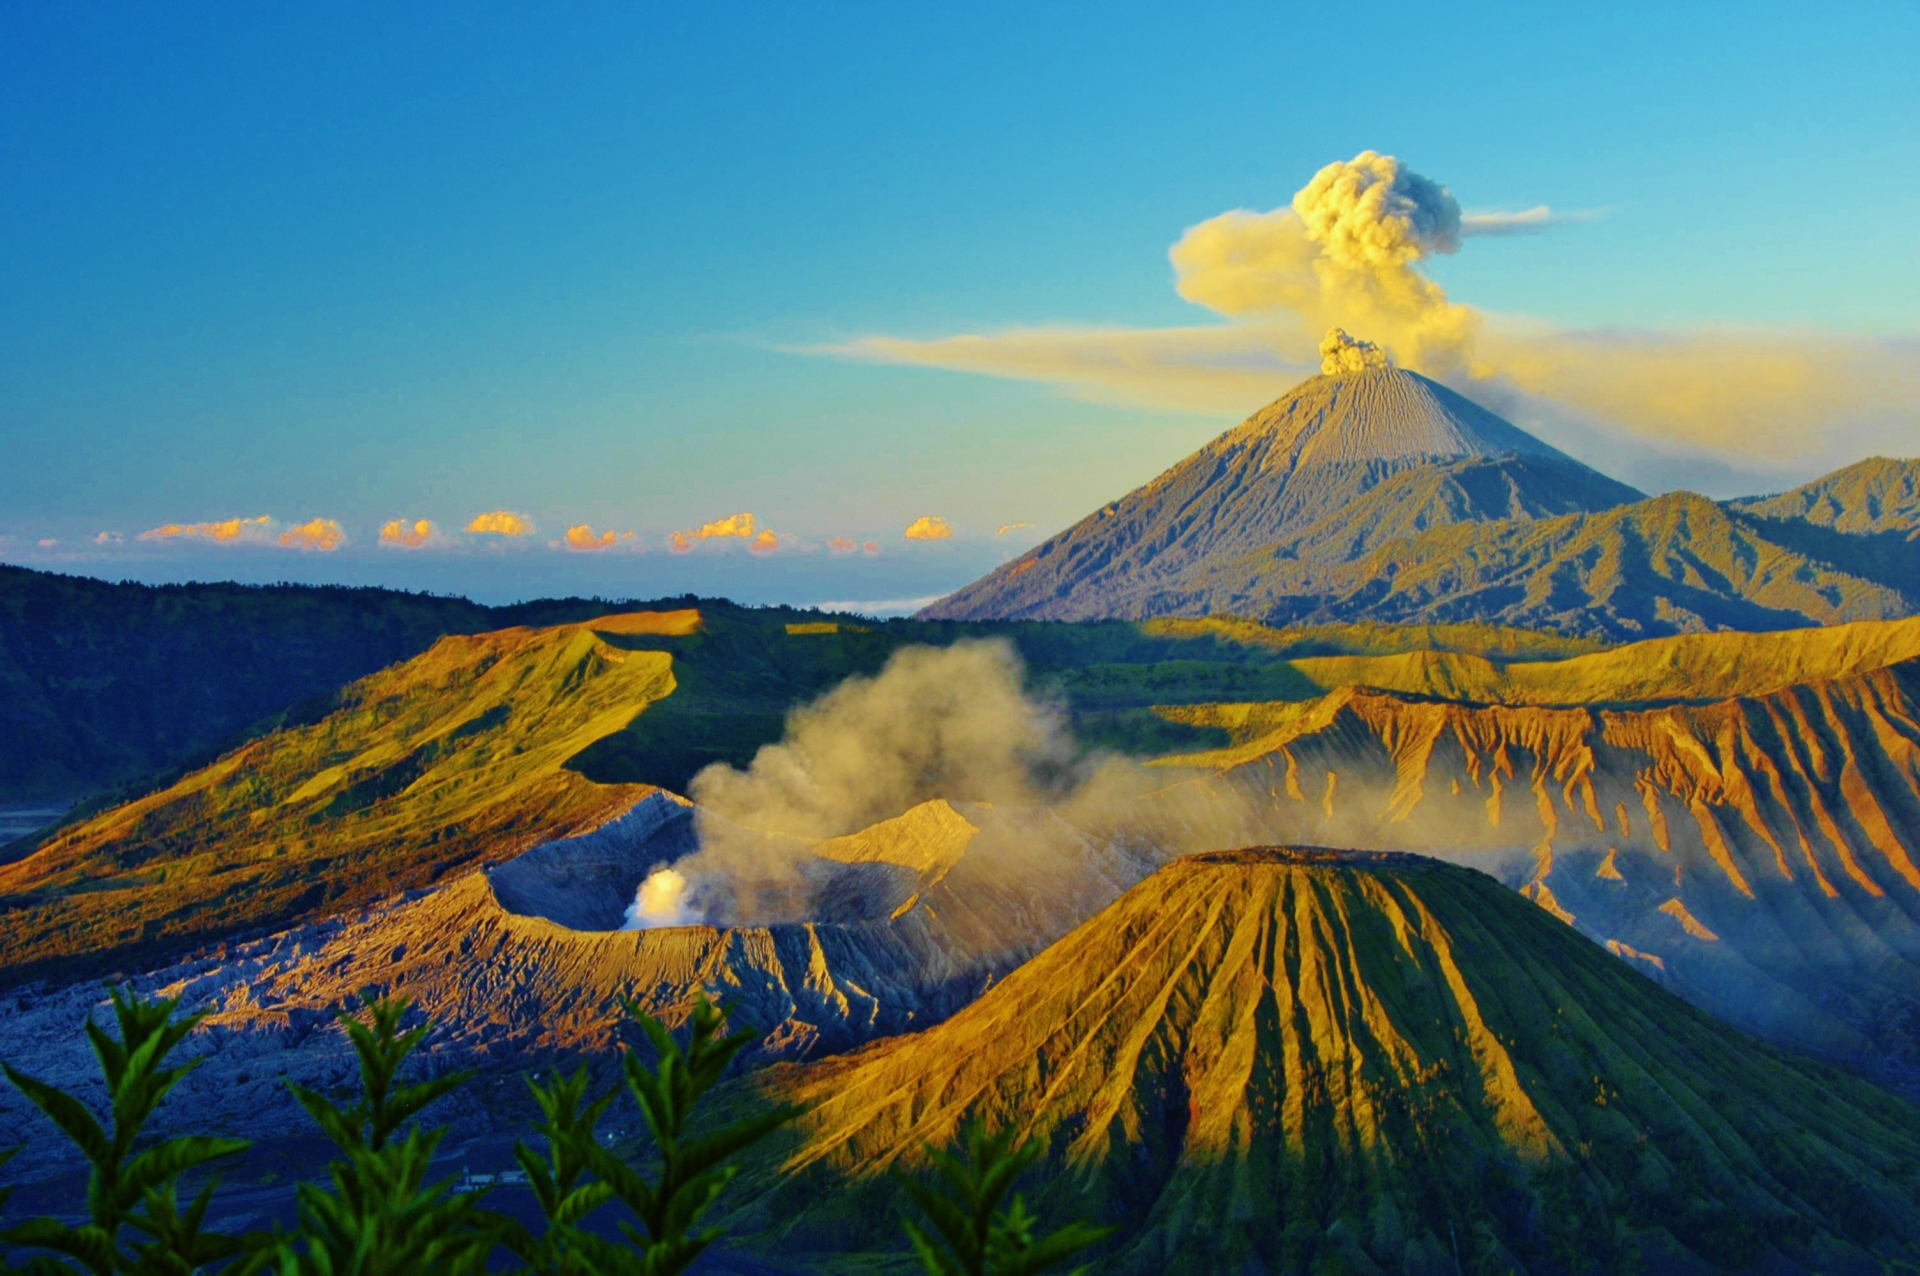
(1349, 252)
(1341, 355)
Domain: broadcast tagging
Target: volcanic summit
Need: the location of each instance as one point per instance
(1360, 455)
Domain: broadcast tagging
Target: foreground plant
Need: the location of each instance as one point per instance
(693, 1169)
(135, 1221)
(382, 1217)
(972, 1235)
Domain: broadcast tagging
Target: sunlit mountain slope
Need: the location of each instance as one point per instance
(101, 684)
(1281, 1061)
(1864, 518)
(458, 756)
(1674, 564)
(524, 964)
(1870, 496)
(1757, 853)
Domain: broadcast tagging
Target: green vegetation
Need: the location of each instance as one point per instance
(132, 1184)
(107, 684)
(1674, 564)
(971, 1233)
(378, 1215)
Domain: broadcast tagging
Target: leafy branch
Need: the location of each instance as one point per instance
(971, 1234)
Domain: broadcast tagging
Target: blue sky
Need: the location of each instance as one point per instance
(577, 261)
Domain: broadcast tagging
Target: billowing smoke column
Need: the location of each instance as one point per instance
(1344, 254)
(955, 723)
(1341, 355)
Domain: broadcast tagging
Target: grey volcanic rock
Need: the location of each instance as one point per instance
(1336, 468)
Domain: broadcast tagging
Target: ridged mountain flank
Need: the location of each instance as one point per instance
(1878, 494)
(1279, 1061)
(1343, 463)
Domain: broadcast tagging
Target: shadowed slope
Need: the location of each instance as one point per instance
(1333, 469)
(1265, 1061)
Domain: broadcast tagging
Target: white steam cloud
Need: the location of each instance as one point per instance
(660, 901)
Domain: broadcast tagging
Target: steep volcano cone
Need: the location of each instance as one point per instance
(1266, 1061)
(1340, 464)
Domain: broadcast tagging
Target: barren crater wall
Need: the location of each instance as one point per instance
(587, 882)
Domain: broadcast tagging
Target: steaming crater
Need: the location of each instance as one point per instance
(983, 884)
(621, 876)
(588, 882)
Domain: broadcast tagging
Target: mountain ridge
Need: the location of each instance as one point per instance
(1379, 495)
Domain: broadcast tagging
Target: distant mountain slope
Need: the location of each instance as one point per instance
(1759, 854)
(1870, 496)
(102, 684)
(1864, 519)
(1673, 564)
(1266, 1061)
(1339, 466)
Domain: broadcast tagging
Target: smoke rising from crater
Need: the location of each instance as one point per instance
(947, 722)
(957, 723)
(1349, 251)
(952, 723)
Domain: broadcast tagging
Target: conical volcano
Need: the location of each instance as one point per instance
(1346, 461)
(1290, 1061)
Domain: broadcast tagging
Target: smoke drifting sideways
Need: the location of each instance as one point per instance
(951, 723)
(1350, 251)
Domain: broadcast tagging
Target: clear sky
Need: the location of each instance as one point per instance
(591, 264)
